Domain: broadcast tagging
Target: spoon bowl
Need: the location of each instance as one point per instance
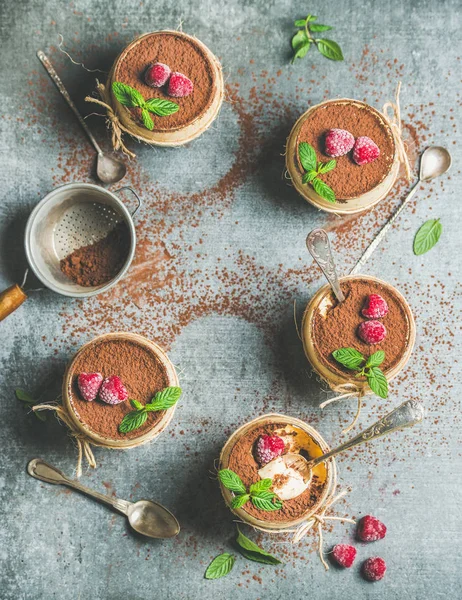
(152, 519)
(435, 161)
(109, 169)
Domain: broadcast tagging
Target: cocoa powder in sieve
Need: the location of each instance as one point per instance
(180, 54)
(141, 372)
(242, 462)
(339, 328)
(100, 262)
(349, 180)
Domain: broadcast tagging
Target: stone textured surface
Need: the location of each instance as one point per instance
(220, 261)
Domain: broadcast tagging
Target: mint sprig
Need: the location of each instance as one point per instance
(25, 397)
(313, 168)
(304, 39)
(132, 98)
(163, 400)
(258, 493)
(365, 367)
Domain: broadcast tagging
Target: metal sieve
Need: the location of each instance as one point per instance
(72, 216)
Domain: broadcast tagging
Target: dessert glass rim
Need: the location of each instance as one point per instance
(334, 378)
(330, 465)
(97, 438)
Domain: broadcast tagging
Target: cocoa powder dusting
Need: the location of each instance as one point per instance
(242, 462)
(349, 180)
(339, 328)
(141, 372)
(180, 54)
(100, 262)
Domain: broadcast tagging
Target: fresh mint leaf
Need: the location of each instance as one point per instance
(127, 95)
(318, 27)
(261, 486)
(23, 396)
(133, 420)
(299, 39)
(300, 23)
(164, 399)
(311, 18)
(301, 51)
(220, 566)
(307, 155)
(136, 404)
(147, 119)
(349, 357)
(231, 481)
(161, 108)
(376, 359)
(427, 236)
(266, 501)
(329, 49)
(323, 190)
(326, 167)
(377, 382)
(309, 176)
(239, 501)
(253, 552)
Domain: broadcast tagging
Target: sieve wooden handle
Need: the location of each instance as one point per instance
(10, 300)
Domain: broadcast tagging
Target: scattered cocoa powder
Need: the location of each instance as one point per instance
(349, 180)
(242, 462)
(339, 328)
(141, 372)
(180, 54)
(100, 262)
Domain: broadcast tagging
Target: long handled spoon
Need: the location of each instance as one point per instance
(407, 414)
(108, 168)
(434, 162)
(318, 246)
(146, 517)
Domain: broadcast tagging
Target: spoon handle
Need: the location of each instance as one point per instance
(59, 84)
(318, 246)
(407, 414)
(382, 233)
(39, 469)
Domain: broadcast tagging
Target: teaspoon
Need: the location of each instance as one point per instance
(318, 246)
(146, 517)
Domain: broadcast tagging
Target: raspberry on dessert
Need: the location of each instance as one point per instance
(89, 384)
(372, 332)
(365, 150)
(373, 569)
(112, 390)
(375, 307)
(338, 142)
(268, 447)
(370, 529)
(157, 74)
(344, 555)
(179, 85)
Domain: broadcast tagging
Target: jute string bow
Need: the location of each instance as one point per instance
(394, 121)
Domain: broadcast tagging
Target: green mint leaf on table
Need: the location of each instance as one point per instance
(164, 399)
(329, 49)
(427, 236)
(318, 27)
(127, 95)
(323, 190)
(239, 501)
(307, 156)
(377, 382)
(300, 23)
(23, 396)
(161, 108)
(147, 120)
(133, 420)
(261, 486)
(231, 481)
(220, 566)
(349, 357)
(253, 552)
(303, 39)
(326, 167)
(376, 359)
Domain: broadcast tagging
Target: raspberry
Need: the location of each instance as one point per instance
(370, 529)
(268, 447)
(372, 332)
(374, 568)
(112, 390)
(375, 307)
(157, 74)
(344, 555)
(89, 384)
(339, 142)
(179, 85)
(365, 151)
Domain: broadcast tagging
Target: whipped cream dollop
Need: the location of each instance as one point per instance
(288, 482)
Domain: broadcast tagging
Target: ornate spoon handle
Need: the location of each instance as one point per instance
(407, 414)
(318, 246)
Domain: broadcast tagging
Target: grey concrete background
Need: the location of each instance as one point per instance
(220, 261)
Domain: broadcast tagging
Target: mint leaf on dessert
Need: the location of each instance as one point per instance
(127, 95)
(161, 108)
(147, 120)
(349, 357)
(427, 236)
(329, 49)
(307, 156)
(266, 501)
(377, 382)
(376, 359)
(231, 481)
(220, 566)
(309, 176)
(133, 420)
(303, 39)
(326, 167)
(253, 552)
(239, 501)
(136, 404)
(164, 399)
(323, 190)
(261, 486)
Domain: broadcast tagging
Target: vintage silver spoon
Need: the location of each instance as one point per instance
(318, 246)
(435, 161)
(146, 517)
(108, 168)
(407, 414)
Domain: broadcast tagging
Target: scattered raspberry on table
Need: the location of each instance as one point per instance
(374, 568)
(344, 555)
(370, 529)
